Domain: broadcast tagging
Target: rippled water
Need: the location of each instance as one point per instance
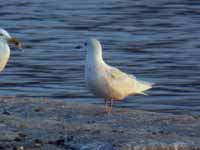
(157, 41)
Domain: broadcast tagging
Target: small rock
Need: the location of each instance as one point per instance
(154, 133)
(18, 148)
(2, 147)
(91, 121)
(40, 109)
(6, 112)
(96, 132)
(21, 147)
(70, 138)
(161, 132)
(117, 131)
(37, 142)
(59, 142)
(19, 137)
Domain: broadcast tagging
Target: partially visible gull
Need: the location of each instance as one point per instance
(6, 39)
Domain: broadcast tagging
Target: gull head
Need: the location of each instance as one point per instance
(93, 46)
(5, 37)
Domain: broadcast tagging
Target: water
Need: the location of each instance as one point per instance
(157, 41)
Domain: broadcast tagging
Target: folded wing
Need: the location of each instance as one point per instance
(126, 83)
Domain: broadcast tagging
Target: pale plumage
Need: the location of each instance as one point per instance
(4, 54)
(5, 39)
(106, 81)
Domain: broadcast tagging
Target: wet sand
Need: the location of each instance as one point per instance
(37, 124)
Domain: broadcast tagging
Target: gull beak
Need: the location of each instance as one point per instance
(15, 42)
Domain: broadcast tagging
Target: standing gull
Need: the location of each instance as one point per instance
(6, 39)
(106, 81)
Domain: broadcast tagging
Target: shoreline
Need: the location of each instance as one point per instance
(31, 123)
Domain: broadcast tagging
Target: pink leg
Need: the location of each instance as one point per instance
(110, 106)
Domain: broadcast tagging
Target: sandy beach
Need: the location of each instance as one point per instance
(37, 124)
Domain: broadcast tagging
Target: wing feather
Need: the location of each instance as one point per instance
(119, 75)
(120, 82)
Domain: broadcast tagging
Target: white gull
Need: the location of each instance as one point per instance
(106, 81)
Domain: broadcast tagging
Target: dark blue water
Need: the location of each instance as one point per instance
(157, 41)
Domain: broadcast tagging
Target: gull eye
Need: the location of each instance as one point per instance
(85, 44)
(1, 34)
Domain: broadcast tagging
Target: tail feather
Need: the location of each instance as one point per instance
(143, 86)
(144, 93)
